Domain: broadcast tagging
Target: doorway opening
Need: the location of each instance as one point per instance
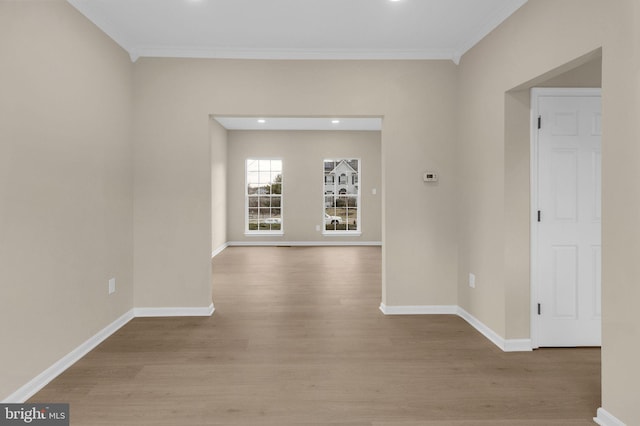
(302, 146)
(583, 72)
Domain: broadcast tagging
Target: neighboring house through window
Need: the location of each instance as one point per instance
(341, 196)
(263, 196)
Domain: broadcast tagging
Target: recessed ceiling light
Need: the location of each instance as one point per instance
(262, 121)
(335, 121)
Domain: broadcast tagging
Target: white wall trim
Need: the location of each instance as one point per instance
(507, 345)
(419, 310)
(517, 345)
(482, 328)
(289, 54)
(174, 312)
(42, 379)
(607, 419)
(219, 250)
(498, 17)
(302, 243)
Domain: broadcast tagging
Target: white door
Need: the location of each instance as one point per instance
(566, 217)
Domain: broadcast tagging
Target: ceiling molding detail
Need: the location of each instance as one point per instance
(304, 30)
(491, 24)
(292, 54)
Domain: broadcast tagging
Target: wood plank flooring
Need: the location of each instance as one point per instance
(297, 339)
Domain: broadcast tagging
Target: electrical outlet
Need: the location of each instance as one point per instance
(112, 285)
(472, 281)
(317, 228)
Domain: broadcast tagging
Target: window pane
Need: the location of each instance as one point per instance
(264, 177)
(276, 183)
(341, 194)
(252, 165)
(265, 165)
(329, 166)
(253, 178)
(352, 219)
(263, 196)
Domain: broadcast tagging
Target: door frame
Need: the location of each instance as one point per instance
(536, 94)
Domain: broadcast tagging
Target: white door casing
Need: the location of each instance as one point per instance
(566, 217)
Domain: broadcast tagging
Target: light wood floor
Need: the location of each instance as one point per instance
(297, 339)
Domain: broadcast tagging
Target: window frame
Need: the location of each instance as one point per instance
(247, 196)
(335, 194)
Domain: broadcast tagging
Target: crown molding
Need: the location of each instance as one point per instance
(105, 25)
(489, 25)
(290, 54)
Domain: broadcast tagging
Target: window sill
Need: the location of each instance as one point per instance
(264, 234)
(342, 234)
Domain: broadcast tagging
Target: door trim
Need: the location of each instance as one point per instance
(536, 94)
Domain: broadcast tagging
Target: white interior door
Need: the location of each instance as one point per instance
(567, 216)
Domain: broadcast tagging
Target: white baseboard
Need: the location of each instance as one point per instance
(174, 312)
(517, 345)
(219, 250)
(419, 310)
(42, 379)
(607, 419)
(302, 243)
(507, 345)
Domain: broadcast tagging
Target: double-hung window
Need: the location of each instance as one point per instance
(341, 196)
(263, 196)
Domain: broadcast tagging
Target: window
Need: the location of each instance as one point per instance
(263, 197)
(341, 199)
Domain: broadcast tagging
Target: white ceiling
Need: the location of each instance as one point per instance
(298, 29)
(300, 123)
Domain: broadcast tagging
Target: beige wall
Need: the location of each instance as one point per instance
(303, 153)
(218, 186)
(588, 74)
(173, 101)
(539, 43)
(66, 169)
(65, 185)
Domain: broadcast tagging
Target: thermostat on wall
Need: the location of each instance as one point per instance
(430, 177)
